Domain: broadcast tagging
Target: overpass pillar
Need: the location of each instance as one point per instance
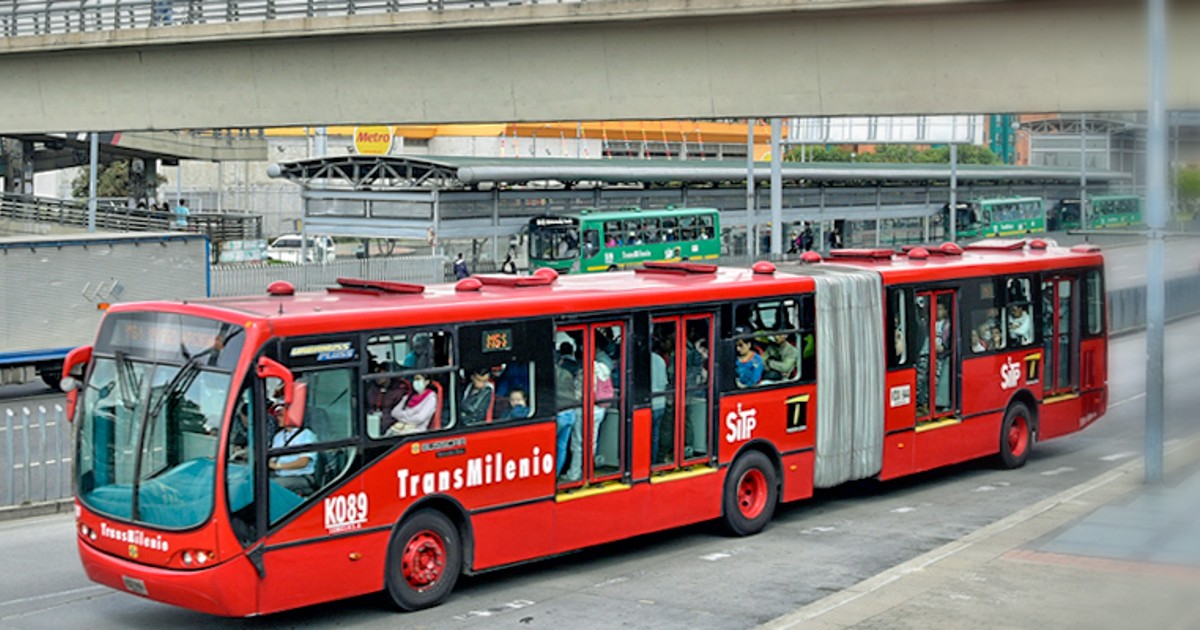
(18, 166)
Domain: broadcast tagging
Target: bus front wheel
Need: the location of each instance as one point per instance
(1016, 436)
(424, 561)
(751, 492)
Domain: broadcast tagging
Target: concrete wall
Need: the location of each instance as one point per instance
(601, 61)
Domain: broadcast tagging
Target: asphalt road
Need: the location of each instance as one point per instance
(687, 578)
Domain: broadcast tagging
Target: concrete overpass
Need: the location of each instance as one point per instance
(601, 60)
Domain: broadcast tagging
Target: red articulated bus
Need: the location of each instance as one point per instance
(242, 456)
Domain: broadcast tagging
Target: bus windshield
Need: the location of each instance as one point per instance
(151, 417)
(554, 242)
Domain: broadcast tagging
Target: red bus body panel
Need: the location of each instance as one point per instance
(226, 589)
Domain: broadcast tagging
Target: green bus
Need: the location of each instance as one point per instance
(606, 240)
(1105, 211)
(1004, 216)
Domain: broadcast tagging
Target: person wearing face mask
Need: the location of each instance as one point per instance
(414, 411)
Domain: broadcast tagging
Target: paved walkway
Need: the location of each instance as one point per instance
(1109, 553)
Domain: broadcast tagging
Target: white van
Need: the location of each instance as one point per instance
(286, 248)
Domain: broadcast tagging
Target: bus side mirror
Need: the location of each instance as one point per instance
(295, 395)
(72, 371)
(270, 368)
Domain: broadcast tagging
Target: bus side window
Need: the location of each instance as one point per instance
(1019, 312)
(501, 376)
(983, 304)
(900, 332)
(591, 242)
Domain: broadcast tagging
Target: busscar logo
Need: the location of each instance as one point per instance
(1010, 374)
(741, 424)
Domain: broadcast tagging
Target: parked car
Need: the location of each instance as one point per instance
(287, 248)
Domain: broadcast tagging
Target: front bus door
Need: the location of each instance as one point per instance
(1060, 335)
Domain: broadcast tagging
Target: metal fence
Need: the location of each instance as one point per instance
(37, 455)
(233, 280)
(44, 17)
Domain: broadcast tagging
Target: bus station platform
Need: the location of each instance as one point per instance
(1112, 552)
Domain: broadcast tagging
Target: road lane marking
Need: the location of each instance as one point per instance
(36, 598)
(513, 605)
(1115, 456)
(1058, 471)
(1130, 399)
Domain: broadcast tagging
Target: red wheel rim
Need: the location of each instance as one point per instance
(752, 493)
(424, 560)
(1018, 436)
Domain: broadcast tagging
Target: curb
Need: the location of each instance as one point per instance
(27, 510)
(973, 549)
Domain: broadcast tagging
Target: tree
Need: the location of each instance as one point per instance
(819, 154)
(1187, 184)
(898, 153)
(112, 180)
(892, 153)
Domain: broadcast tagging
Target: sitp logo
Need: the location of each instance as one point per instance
(1010, 374)
(741, 424)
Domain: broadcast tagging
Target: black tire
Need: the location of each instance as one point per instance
(52, 378)
(1016, 436)
(424, 561)
(751, 492)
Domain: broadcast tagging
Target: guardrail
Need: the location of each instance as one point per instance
(37, 455)
(43, 211)
(1127, 307)
(44, 17)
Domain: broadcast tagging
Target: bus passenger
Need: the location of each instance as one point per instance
(414, 411)
(977, 343)
(659, 380)
(421, 354)
(383, 394)
(602, 393)
(477, 399)
(517, 406)
(294, 471)
(997, 342)
(780, 358)
(1020, 325)
(749, 364)
(568, 396)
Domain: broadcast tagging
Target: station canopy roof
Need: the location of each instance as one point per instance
(391, 172)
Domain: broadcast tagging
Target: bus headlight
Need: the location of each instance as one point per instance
(196, 557)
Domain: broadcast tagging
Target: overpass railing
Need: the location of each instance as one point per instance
(42, 211)
(44, 17)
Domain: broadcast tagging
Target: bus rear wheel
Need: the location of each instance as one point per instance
(751, 492)
(424, 561)
(1016, 436)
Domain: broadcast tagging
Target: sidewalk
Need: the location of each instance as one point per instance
(1108, 553)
